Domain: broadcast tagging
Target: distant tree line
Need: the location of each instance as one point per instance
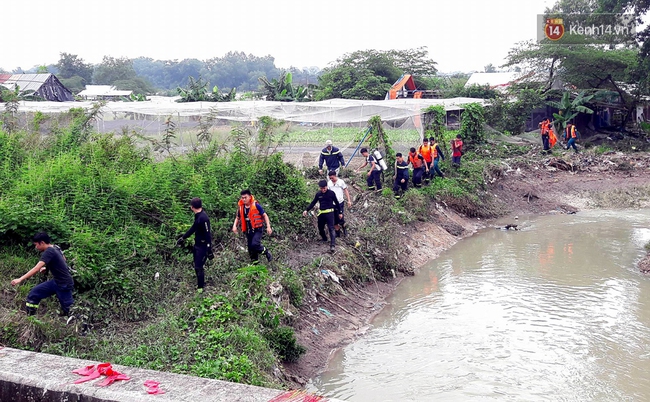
(364, 74)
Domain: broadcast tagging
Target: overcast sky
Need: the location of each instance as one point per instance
(461, 35)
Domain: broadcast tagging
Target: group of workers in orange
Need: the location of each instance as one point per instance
(424, 161)
(549, 139)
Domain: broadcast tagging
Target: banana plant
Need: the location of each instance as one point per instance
(569, 109)
(280, 89)
(217, 96)
(196, 91)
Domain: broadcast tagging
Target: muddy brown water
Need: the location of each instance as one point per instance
(556, 311)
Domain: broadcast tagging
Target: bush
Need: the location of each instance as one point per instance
(283, 341)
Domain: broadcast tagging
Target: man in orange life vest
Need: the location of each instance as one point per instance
(426, 151)
(436, 154)
(251, 217)
(570, 135)
(545, 127)
(417, 162)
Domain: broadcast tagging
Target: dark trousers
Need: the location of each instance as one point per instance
(436, 169)
(47, 289)
(255, 247)
(337, 220)
(417, 176)
(397, 186)
(200, 257)
(545, 142)
(455, 160)
(427, 173)
(572, 143)
(327, 219)
(374, 180)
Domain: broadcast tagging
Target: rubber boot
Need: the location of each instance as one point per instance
(30, 310)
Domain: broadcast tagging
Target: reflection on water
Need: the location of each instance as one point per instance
(557, 311)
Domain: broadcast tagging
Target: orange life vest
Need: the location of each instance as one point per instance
(415, 161)
(434, 150)
(545, 126)
(425, 152)
(571, 130)
(552, 139)
(253, 215)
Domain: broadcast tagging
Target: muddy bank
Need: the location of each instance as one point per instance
(526, 184)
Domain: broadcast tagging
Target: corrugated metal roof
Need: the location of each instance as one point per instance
(4, 77)
(27, 82)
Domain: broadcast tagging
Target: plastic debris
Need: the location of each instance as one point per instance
(327, 313)
(93, 372)
(153, 387)
(84, 370)
(330, 274)
(93, 375)
(112, 378)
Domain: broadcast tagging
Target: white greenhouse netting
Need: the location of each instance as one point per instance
(401, 113)
(343, 121)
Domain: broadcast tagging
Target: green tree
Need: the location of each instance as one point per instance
(583, 66)
(71, 65)
(113, 69)
(368, 74)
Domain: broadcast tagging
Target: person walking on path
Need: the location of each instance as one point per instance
(62, 284)
(436, 154)
(332, 157)
(401, 176)
(328, 206)
(373, 178)
(570, 135)
(544, 129)
(340, 188)
(456, 150)
(417, 162)
(202, 249)
(426, 152)
(251, 217)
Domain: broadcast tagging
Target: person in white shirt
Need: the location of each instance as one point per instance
(339, 188)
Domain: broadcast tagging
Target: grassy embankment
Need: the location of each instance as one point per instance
(117, 210)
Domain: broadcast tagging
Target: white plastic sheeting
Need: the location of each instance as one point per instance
(339, 112)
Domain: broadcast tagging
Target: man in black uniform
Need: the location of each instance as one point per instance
(401, 175)
(62, 285)
(202, 240)
(328, 205)
(332, 157)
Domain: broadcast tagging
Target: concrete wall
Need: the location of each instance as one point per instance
(37, 377)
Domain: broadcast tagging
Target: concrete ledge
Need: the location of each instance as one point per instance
(38, 377)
